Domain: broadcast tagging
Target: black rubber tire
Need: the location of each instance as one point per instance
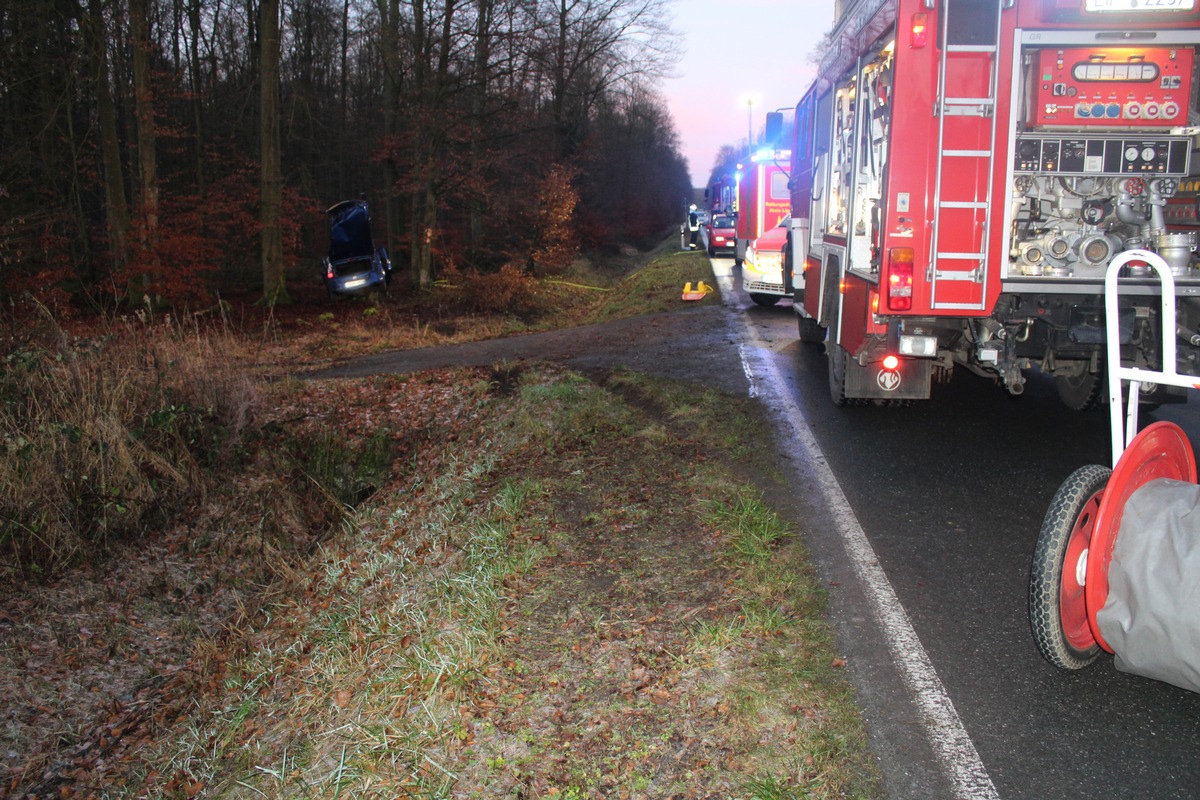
(1077, 496)
(810, 331)
(764, 300)
(836, 358)
(1082, 392)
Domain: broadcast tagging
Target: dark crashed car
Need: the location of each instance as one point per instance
(354, 264)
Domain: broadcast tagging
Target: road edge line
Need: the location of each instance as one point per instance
(951, 744)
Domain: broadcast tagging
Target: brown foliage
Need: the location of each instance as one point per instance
(556, 245)
(510, 290)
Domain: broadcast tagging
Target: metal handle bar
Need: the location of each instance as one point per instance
(1116, 373)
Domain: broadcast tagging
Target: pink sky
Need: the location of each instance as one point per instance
(733, 49)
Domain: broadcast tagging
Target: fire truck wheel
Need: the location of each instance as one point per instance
(766, 300)
(837, 373)
(1057, 604)
(810, 331)
(1080, 392)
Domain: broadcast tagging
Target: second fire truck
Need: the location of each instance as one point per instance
(963, 172)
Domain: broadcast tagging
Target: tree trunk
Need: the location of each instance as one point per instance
(274, 286)
(389, 47)
(343, 98)
(116, 206)
(482, 79)
(143, 96)
(429, 138)
(419, 237)
(196, 73)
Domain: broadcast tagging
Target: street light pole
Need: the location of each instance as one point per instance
(749, 128)
(750, 100)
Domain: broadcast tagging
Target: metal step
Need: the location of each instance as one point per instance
(970, 48)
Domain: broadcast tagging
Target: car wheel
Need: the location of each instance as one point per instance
(1057, 603)
(810, 331)
(765, 300)
(836, 358)
(1080, 392)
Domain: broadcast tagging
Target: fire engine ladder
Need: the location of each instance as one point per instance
(960, 224)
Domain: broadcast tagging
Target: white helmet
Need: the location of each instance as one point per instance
(692, 207)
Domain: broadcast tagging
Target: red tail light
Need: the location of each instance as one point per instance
(919, 32)
(890, 362)
(900, 278)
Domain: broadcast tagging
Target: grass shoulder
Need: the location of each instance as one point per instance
(501, 582)
(589, 604)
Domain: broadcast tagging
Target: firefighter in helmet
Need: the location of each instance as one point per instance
(693, 224)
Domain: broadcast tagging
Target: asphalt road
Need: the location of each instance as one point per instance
(950, 494)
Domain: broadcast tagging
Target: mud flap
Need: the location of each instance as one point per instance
(910, 381)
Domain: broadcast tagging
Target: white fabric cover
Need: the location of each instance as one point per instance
(1151, 618)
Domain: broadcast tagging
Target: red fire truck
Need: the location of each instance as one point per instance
(763, 196)
(721, 195)
(964, 171)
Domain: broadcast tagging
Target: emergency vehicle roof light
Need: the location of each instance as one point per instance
(767, 154)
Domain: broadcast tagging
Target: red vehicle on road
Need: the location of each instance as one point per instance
(719, 235)
(762, 268)
(965, 170)
(763, 197)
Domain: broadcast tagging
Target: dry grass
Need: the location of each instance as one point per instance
(577, 606)
(486, 583)
(106, 436)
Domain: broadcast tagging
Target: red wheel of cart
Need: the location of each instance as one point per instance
(1162, 450)
(1057, 605)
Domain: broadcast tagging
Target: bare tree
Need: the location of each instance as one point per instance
(116, 206)
(433, 44)
(274, 287)
(147, 138)
(593, 46)
(393, 80)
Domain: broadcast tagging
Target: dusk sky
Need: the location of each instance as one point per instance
(734, 49)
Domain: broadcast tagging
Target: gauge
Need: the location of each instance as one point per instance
(1148, 154)
(1131, 153)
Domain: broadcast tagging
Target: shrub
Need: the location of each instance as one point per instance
(511, 291)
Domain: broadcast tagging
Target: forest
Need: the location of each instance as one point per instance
(171, 150)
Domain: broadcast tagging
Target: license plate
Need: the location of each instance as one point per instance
(354, 284)
(1140, 6)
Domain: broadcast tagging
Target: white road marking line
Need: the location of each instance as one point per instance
(951, 744)
(753, 391)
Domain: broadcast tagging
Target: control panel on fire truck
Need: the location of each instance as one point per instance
(1110, 87)
(1099, 154)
